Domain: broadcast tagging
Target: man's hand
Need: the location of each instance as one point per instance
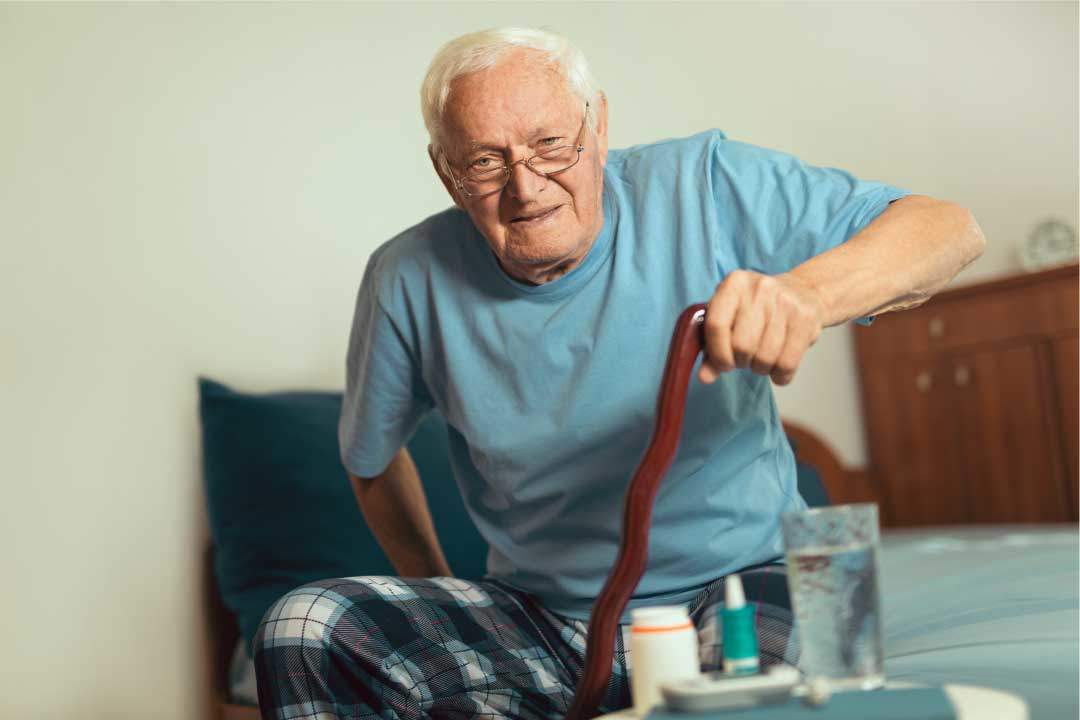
(762, 322)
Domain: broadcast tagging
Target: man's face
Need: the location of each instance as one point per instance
(538, 227)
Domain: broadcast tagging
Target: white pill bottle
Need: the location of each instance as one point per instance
(663, 647)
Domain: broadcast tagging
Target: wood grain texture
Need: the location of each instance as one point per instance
(970, 403)
(1008, 437)
(1029, 306)
(1066, 361)
(221, 633)
(239, 712)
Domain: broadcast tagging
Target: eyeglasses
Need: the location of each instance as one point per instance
(484, 177)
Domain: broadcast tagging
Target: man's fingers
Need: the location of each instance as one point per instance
(760, 322)
(800, 337)
(719, 318)
(771, 345)
(747, 330)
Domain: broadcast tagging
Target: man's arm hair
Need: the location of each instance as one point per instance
(905, 255)
(396, 510)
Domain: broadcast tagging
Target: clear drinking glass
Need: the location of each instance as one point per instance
(833, 578)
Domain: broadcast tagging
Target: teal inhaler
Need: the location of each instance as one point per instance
(739, 633)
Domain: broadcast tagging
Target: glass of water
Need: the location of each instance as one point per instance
(833, 578)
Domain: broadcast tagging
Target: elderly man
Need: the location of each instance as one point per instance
(535, 316)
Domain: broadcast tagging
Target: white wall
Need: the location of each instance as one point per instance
(194, 189)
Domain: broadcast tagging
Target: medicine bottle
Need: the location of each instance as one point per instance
(663, 647)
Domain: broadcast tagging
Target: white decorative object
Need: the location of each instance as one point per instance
(1052, 242)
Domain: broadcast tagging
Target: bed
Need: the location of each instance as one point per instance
(994, 606)
(985, 605)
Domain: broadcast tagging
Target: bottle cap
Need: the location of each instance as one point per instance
(734, 598)
(659, 616)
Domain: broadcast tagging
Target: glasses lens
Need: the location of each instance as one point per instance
(556, 159)
(484, 181)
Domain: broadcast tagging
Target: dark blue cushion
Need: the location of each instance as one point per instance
(809, 481)
(282, 512)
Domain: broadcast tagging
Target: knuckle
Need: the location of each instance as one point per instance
(713, 325)
(738, 277)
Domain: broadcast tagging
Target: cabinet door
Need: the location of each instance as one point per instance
(1009, 438)
(1067, 375)
(912, 443)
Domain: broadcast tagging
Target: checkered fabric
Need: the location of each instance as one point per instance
(385, 647)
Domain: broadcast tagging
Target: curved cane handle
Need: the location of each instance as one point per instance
(686, 343)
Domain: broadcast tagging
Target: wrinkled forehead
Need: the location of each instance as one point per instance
(506, 104)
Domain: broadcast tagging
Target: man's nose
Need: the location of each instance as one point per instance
(525, 183)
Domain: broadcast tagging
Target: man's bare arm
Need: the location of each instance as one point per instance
(396, 510)
(766, 323)
(908, 253)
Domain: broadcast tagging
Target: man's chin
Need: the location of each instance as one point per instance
(537, 265)
(541, 245)
(540, 255)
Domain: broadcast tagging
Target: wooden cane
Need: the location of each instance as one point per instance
(687, 343)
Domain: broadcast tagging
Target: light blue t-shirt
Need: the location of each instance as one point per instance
(550, 391)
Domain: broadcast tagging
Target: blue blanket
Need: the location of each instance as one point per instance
(986, 606)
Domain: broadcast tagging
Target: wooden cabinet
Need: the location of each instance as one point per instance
(970, 403)
(1065, 354)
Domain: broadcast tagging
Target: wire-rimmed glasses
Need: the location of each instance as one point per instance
(485, 178)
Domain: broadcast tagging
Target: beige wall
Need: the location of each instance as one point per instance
(194, 189)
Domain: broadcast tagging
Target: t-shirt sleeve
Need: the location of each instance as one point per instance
(784, 211)
(385, 397)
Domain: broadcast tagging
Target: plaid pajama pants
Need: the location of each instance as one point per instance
(392, 648)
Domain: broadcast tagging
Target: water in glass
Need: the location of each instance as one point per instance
(833, 579)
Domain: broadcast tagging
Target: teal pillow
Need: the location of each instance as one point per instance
(282, 512)
(809, 480)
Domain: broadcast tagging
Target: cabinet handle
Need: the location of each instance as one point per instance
(962, 375)
(936, 327)
(924, 381)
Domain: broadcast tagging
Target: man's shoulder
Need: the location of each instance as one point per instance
(706, 154)
(421, 247)
(663, 151)
(709, 143)
(406, 263)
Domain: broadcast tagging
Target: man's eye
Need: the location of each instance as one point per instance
(484, 163)
(550, 142)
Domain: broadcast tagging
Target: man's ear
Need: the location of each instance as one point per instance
(601, 127)
(446, 181)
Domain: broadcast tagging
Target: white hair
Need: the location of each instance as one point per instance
(480, 50)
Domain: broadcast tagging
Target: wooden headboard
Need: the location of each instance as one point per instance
(221, 636)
